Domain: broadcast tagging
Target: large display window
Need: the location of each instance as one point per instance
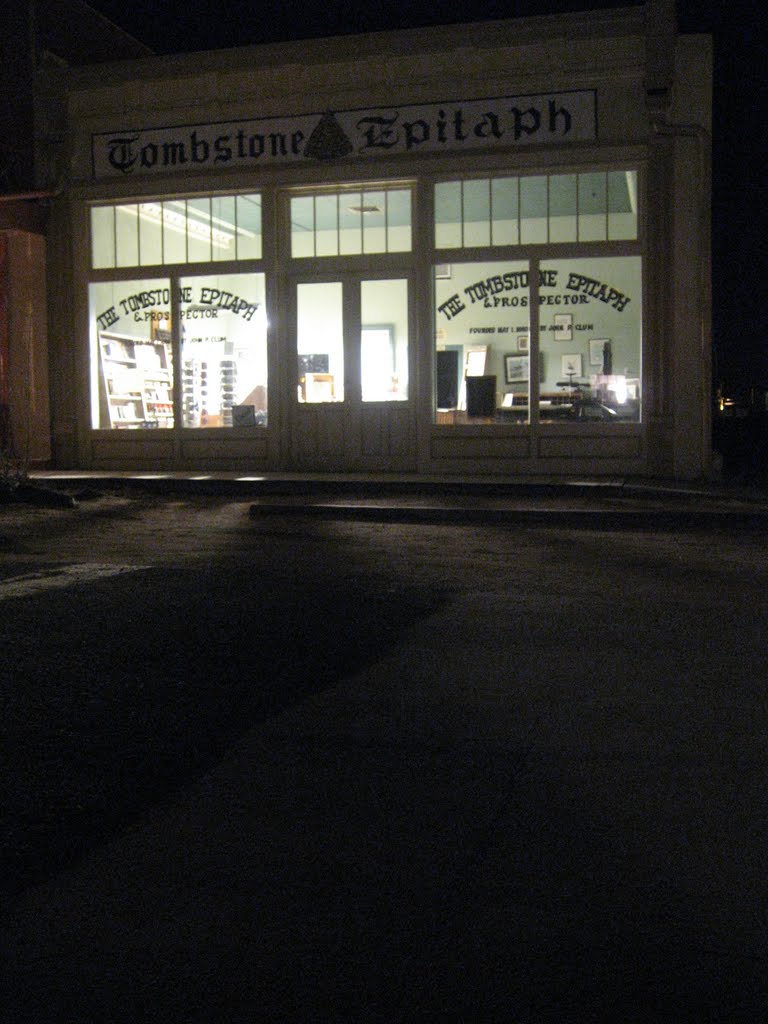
(222, 334)
(584, 366)
(173, 350)
(578, 359)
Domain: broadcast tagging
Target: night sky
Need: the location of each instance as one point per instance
(740, 102)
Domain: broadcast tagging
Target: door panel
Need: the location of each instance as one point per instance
(352, 409)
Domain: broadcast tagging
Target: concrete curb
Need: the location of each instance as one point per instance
(584, 519)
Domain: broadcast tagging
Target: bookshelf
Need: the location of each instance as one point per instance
(137, 381)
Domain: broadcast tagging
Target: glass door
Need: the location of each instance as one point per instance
(352, 407)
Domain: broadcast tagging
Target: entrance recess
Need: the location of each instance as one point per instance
(352, 407)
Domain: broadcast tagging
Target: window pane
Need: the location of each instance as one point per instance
(198, 214)
(448, 217)
(374, 222)
(504, 204)
(482, 351)
(591, 339)
(399, 235)
(174, 232)
(533, 210)
(150, 235)
(224, 351)
(327, 225)
(223, 228)
(302, 226)
(593, 207)
(320, 342)
(102, 237)
(127, 236)
(248, 210)
(351, 224)
(622, 204)
(384, 340)
(130, 345)
(476, 207)
(562, 208)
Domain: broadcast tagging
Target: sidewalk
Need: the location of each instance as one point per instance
(591, 503)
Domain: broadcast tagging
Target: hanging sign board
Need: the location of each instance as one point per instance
(464, 125)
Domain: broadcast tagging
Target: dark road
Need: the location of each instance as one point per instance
(281, 769)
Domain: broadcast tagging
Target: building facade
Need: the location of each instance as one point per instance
(479, 249)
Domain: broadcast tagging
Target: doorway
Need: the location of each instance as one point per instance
(352, 403)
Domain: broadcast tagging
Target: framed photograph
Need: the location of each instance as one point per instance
(443, 271)
(571, 365)
(515, 368)
(523, 342)
(563, 326)
(596, 350)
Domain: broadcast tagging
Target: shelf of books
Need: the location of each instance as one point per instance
(138, 381)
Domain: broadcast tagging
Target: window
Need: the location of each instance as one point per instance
(320, 342)
(161, 232)
(482, 331)
(586, 361)
(384, 340)
(590, 339)
(223, 350)
(223, 342)
(536, 210)
(351, 221)
(131, 355)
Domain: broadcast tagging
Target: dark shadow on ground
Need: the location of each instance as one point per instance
(117, 694)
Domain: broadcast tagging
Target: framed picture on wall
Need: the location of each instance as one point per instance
(474, 363)
(596, 350)
(443, 271)
(571, 365)
(523, 342)
(563, 326)
(515, 368)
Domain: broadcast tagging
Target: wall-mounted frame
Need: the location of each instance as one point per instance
(443, 271)
(474, 361)
(571, 365)
(523, 343)
(563, 326)
(516, 368)
(597, 350)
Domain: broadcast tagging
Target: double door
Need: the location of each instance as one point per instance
(352, 403)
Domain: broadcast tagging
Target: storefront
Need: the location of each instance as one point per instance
(473, 250)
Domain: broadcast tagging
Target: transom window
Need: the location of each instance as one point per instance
(203, 229)
(350, 222)
(595, 206)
